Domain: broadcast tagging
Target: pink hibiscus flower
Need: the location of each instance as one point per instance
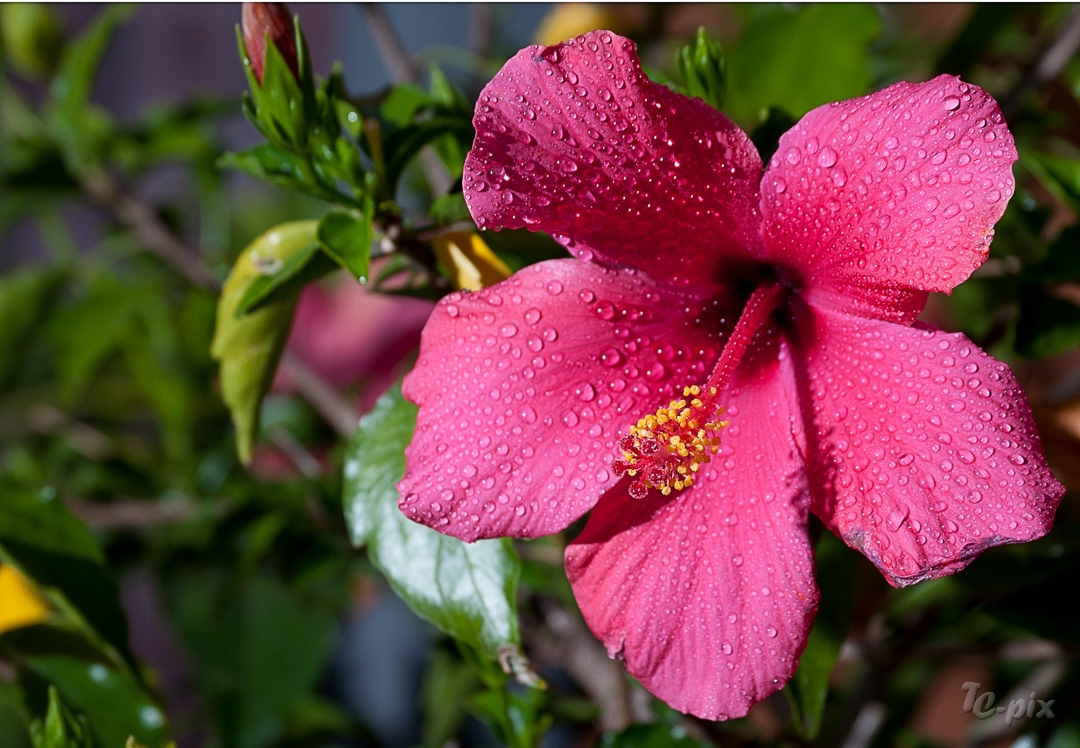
(787, 301)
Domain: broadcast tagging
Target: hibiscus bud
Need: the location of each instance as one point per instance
(701, 64)
(260, 21)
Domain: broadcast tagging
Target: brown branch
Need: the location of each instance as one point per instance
(149, 231)
(153, 235)
(130, 514)
(397, 61)
(399, 65)
(481, 28)
(574, 648)
(338, 413)
(1050, 63)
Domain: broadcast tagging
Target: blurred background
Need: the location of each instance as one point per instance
(223, 605)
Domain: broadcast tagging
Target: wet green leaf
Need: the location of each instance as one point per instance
(248, 347)
(466, 589)
(114, 705)
(297, 271)
(347, 240)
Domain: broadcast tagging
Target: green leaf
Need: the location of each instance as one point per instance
(59, 554)
(32, 38)
(701, 64)
(41, 522)
(448, 684)
(259, 651)
(282, 103)
(74, 79)
(348, 241)
(80, 129)
(248, 347)
(25, 297)
(808, 688)
(1059, 174)
(60, 729)
(801, 59)
(269, 163)
(449, 208)
(269, 656)
(466, 589)
(14, 721)
(449, 98)
(297, 271)
(403, 102)
(114, 705)
(401, 145)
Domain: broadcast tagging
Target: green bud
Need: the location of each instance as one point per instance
(701, 64)
(33, 38)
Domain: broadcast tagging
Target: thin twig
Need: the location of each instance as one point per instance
(578, 651)
(1052, 62)
(338, 413)
(481, 28)
(149, 231)
(397, 61)
(399, 65)
(153, 235)
(130, 514)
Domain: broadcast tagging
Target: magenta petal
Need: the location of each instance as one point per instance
(708, 595)
(877, 200)
(575, 140)
(926, 447)
(525, 388)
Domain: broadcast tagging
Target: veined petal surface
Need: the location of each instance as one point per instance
(925, 452)
(875, 201)
(526, 387)
(708, 594)
(576, 141)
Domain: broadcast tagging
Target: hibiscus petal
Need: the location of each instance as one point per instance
(926, 448)
(525, 388)
(708, 595)
(575, 140)
(877, 200)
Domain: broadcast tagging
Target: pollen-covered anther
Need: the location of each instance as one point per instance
(665, 449)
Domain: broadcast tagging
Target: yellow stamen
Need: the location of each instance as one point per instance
(667, 447)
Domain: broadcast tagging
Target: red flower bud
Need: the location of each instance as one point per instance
(257, 20)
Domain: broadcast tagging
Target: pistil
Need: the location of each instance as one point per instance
(666, 449)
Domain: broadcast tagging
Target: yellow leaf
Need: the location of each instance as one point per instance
(249, 347)
(20, 605)
(470, 261)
